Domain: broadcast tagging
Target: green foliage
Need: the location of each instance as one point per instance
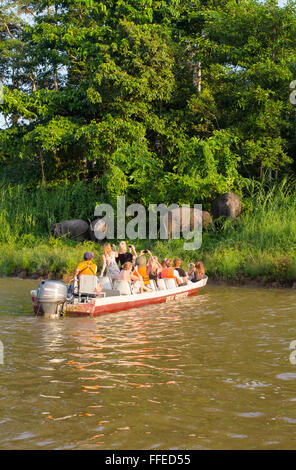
(162, 101)
(114, 183)
(185, 97)
(249, 65)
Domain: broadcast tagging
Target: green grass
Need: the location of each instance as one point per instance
(260, 244)
(53, 258)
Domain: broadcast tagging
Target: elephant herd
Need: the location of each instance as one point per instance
(227, 205)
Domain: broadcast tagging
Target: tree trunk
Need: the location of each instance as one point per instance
(43, 182)
(55, 75)
(33, 83)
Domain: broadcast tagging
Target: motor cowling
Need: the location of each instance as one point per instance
(51, 296)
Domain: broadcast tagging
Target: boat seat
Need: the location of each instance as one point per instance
(161, 284)
(106, 282)
(87, 284)
(152, 284)
(170, 283)
(124, 287)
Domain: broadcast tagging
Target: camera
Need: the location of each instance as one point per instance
(145, 251)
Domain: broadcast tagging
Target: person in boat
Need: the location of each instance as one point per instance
(181, 272)
(141, 266)
(173, 272)
(190, 270)
(133, 277)
(109, 262)
(162, 273)
(123, 255)
(198, 272)
(177, 266)
(169, 272)
(153, 268)
(87, 267)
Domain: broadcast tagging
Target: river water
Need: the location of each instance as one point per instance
(208, 372)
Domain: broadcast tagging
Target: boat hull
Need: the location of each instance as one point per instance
(109, 305)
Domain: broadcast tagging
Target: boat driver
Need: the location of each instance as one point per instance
(87, 267)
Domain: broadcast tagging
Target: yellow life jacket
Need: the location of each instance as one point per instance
(87, 267)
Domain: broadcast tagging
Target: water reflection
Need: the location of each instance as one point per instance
(129, 353)
(210, 372)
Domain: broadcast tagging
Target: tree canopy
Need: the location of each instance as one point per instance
(163, 101)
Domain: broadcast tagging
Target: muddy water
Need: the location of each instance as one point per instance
(209, 372)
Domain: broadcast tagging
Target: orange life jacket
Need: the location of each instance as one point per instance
(143, 272)
(164, 272)
(169, 273)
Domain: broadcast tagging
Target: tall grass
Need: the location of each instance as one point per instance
(260, 244)
(269, 219)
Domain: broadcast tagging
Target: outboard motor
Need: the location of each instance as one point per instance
(51, 296)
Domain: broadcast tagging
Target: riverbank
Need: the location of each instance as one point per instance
(227, 262)
(240, 283)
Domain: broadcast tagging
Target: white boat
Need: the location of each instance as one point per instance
(54, 298)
